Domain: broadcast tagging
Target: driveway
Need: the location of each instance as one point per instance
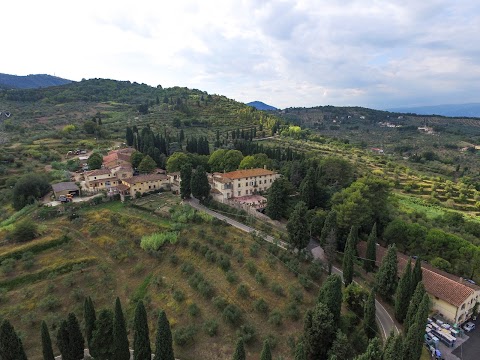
(75, 200)
(383, 317)
(470, 349)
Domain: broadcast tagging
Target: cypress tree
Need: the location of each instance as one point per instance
(276, 199)
(403, 294)
(300, 352)
(386, 279)
(129, 136)
(239, 353)
(330, 294)
(414, 339)
(348, 258)
(63, 340)
(330, 249)
(413, 306)
(341, 347)
(141, 339)
(47, 349)
(103, 346)
(369, 323)
(308, 189)
(373, 352)
(371, 254)
(393, 349)
(266, 352)
(297, 227)
(89, 318)
(120, 338)
(328, 225)
(185, 183)
(11, 347)
(200, 185)
(319, 332)
(76, 342)
(416, 276)
(163, 342)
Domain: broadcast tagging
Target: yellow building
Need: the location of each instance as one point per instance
(143, 184)
(101, 179)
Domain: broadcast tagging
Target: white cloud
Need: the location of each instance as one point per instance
(287, 53)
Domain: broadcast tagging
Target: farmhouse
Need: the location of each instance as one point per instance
(142, 184)
(453, 297)
(65, 188)
(101, 179)
(118, 157)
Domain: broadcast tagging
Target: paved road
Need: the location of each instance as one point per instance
(383, 317)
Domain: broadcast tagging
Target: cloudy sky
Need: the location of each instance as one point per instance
(374, 53)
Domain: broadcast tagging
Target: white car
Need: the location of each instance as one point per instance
(469, 326)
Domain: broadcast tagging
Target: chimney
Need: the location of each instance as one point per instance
(265, 167)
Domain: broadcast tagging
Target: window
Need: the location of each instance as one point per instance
(239, 193)
(246, 184)
(149, 187)
(270, 181)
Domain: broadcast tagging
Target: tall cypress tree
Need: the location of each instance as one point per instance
(200, 185)
(129, 136)
(103, 346)
(416, 276)
(163, 342)
(331, 295)
(369, 323)
(141, 339)
(386, 279)
(300, 353)
(341, 348)
(89, 318)
(348, 258)
(329, 224)
(373, 352)
(414, 338)
(297, 227)
(120, 338)
(266, 352)
(185, 183)
(308, 189)
(11, 347)
(413, 306)
(75, 337)
(371, 254)
(47, 349)
(63, 340)
(393, 349)
(318, 332)
(239, 353)
(403, 294)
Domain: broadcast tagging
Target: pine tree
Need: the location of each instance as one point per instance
(300, 352)
(297, 227)
(185, 183)
(141, 339)
(369, 323)
(266, 352)
(414, 338)
(89, 319)
(163, 342)
(348, 258)
(413, 306)
(341, 347)
(199, 184)
(11, 347)
(373, 352)
(403, 294)
(416, 276)
(103, 347)
(75, 337)
(393, 349)
(239, 353)
(318, 332)
(371, 254)
(328, 225)
(120, 338)
(386, 279)
(47, 349)
(330, 294)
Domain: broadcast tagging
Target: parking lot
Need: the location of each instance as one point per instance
(470, 349)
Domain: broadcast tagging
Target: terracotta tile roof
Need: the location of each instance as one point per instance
(438, 283)
(218, 177)
(122, 187)
(98, 181)
(98, 172)
(143, 178)
(240, 174)
(215, 191)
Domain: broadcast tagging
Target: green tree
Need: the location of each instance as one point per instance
(413, 306)
(300, 352)
(416, 276)
(103, 347)
(222, 160)
(354, 296)
(89, 318)
(200, 185)
(147, 165)
(386, 279)
(25, 230)
(11, 347)
(341, 347)
(255, 161)
(374, 351)
(318, 332)
(120, 338)
(403, 294)
(141, 339)
(414, 338)
(95, 161)
(277, 199)
(186, 181)
(371, 253)
(328, 225)
(308, 189)
(28, 189)
(369, 323)
(136, 159)
(176, 161)
(129, 136)
(47, 349)
(330, 294)
(163, 342)
(297, 227)
(393, 349)
(239, 353)
(348, 258)
(70, 341)
(330, 248)
(266, 352)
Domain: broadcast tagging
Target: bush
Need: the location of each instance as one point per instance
(292, 311)
(178, 296)
(49, 303)
(220, 303)
(315, 269)
(211, 327)
(254, 248)
(224, 263)
(173, 259)
(261, 306)
(247, 333)
(243, 291)
(252, 269)
(275, 318)
(155, 241)
(193, 310)
(187, 268)
(24, 231)
(277, 289)
(184, 335)
(7, 266)
(305, 282)
(231, 277)
(260, 278)
(232, 314)
(296, 294)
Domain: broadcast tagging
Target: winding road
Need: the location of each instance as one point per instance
(384, 319)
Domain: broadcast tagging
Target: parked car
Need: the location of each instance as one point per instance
(469, 326)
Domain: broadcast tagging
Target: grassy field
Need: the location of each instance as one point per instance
(211, 267)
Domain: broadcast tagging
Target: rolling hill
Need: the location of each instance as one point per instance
(30, 81)
(463, 110)
(261, 106)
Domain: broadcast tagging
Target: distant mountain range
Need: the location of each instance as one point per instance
(261, 106)
(452, 110)
(30, 81)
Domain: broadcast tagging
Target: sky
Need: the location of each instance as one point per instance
(373, 53)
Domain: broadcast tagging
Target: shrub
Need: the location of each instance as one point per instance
(247, 333)
(184, 335)
(49, 303)
(8, 266)
(205, 289)
(292, 311)
(239, 256)
(3, 295)
(232, 314)
(220, 303)
(173, 259)
(193, 310)
(252, 269)
(260, 278)
(211, 256)
(187, 268)
(24, 231)
(231, 277)
(275, 318)
(195, 245)
(223, 262)
(277, 289)
(254, 248)
(261, 306)
(315, 269)
(228, 248)
(296, 294)
(271, 261)
(155, 241)
(211, 327)
(242, 291)
(28, 260)
(305, 282)
(178, 296)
